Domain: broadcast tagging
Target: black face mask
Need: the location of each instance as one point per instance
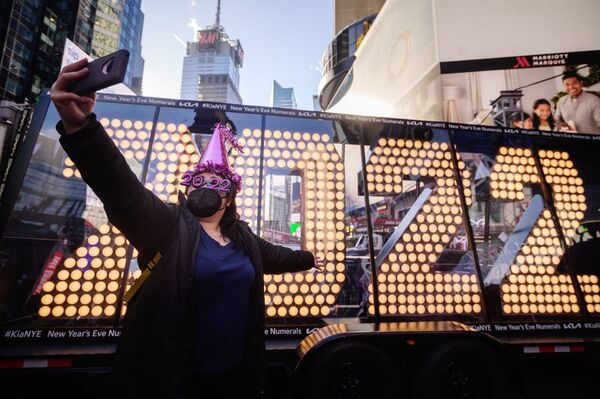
(204, 202)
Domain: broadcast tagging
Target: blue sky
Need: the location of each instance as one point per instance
(282, 40)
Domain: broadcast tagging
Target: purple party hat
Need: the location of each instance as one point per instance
(214, 158)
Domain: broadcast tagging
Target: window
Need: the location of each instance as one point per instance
(13, 87)
(28, 15)
(106, 24)
(46, 44)
(16, 68)
(25, 32)
(50, 20)
(36, 85)
(22, 51)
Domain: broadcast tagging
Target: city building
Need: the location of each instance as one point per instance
(347, 12)
(83, 24)
(352, 20)
(282, 97)
(107, 25)
(118, 24)
(211, 66)
(33, 34)
(131, 38)
(316, 105)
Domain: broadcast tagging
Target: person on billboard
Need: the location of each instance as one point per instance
(196, 326)
(578, 111)
(523, 121)
(542, 115)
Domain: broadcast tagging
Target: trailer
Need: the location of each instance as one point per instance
(491, 255)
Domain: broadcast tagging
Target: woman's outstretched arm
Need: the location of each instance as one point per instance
(139, 214)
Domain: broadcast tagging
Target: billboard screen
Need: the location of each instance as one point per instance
(530, 84)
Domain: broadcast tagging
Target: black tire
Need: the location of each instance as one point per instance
(350, 370)
(461, 370)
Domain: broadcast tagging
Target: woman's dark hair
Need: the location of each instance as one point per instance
(536, 119)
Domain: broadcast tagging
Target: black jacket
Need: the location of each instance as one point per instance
(154, 353)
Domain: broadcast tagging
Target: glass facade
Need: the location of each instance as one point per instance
(107, 23)
(467, 223)
(132, 23)
(348, 11)
(338, 57)
(345, 43)
(283, 97)
(118, 24)
(33, 34)
(84, 24)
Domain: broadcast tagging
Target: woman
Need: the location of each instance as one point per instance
(542, 115)
(196, 325)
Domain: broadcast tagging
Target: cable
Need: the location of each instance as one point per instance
(534, 83)
(552, 77)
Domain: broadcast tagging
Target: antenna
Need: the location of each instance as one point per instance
(218, 22)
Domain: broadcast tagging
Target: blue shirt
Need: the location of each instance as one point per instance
(223, 278)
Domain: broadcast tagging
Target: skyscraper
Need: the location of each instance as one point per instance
(211, 66)
(132, 24)
(282, 97)
(316, 105)
(107, 25)
(118, 24)
(33, 33)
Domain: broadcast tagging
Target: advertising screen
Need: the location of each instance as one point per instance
(541, 92)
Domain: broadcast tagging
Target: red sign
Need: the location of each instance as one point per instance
(239, 54)
(49, 269)
(522, 62)
(207, 38)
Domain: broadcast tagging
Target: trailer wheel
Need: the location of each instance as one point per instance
(465, 370)
(350, 370)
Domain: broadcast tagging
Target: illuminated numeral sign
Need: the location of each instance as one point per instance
(315, 159)
(533, 284)
(407, 281)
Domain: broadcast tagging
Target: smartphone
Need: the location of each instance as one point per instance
(104, 72)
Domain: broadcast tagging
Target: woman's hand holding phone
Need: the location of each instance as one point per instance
(72, 108)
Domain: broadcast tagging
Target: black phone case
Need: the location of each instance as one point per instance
(104, 72)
